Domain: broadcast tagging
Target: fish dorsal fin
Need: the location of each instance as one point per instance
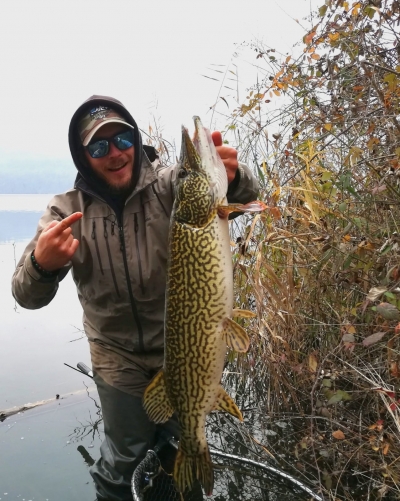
(155, 401)
(225, 403)
(235, 336)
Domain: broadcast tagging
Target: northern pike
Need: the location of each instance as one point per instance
(199, 307)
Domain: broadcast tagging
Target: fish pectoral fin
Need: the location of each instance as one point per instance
(243, 313)
(256, 206)
(226, 403)
(235, 336)
(155, 400)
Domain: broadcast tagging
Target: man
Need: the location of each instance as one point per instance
(111, 231)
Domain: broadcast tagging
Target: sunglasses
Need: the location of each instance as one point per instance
(101, 147)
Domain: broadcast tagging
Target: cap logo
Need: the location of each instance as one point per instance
(96, 118)
(99, 112)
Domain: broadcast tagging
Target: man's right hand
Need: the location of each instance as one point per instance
(56, 244)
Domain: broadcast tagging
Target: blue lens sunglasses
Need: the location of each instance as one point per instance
(101, 147)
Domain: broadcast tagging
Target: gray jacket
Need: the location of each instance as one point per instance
(119, 267)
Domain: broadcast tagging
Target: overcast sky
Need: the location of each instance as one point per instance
(150, 55)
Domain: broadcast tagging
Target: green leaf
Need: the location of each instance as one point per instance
(388, 311)
(369, 12)
(343, 207)
(357, 221)
(326, 175)
(386, 250)
(338, 397)
(348, 261)
(326, 187)
(261, 175)
(322, 10)
(334, 399)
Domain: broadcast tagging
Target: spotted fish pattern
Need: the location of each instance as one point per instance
(199, 306)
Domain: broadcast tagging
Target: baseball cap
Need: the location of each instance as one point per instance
(95, 118)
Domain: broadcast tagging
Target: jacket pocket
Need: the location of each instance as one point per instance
(110, 260)
(137, 245)
(96, 244)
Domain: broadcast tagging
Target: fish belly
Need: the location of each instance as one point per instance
(199, 298)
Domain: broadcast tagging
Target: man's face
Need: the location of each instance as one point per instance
(116, 168)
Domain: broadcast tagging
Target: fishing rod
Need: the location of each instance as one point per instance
(82, 368)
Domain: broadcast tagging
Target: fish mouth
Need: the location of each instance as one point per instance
(190, 158)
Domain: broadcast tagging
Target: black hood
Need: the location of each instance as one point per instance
(85, 178)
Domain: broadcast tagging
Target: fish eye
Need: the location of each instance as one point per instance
(182, 173)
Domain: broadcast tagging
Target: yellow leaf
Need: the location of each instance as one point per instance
(386, 448)
(356, 9)
(312, 362)
(288, 59)
(351, 329)
(276, 92)
(333, 36)
(328, 127)
(315, 56)
(338, 434)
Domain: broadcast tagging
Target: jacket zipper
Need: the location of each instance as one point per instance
(159, 199)
(109, 256)
(138, 253)
(128, 279)
(97, 246)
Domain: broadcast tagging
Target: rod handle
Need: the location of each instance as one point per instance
(85, 369)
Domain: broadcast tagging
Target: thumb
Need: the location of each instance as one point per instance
(217, 138)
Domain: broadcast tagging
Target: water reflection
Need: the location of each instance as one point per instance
(46, 465)
(90, 428)
(34, 343)
(17, 226)
(19, 216)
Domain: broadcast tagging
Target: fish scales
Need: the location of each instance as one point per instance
(199, 300)
(199, 304)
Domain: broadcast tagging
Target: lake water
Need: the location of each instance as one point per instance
(41, 450)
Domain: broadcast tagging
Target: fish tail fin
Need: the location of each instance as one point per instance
(189, 468)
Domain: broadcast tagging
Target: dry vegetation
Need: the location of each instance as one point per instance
(321, 267)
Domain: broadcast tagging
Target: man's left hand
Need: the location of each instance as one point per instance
(227, 154)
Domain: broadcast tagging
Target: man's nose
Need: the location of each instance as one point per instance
(113, 151)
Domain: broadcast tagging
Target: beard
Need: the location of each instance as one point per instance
(121, 190)
(104, 187)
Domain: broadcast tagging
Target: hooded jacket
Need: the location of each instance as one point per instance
(119, 267)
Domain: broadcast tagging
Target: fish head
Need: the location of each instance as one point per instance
(202, 182)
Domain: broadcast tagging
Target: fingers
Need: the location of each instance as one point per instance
(56, 245)
(70, 245)
(50, 225)
(74, 246)
(67, 242)
(217, 138)
(229, 158)
(227, 153)
(61, 226)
